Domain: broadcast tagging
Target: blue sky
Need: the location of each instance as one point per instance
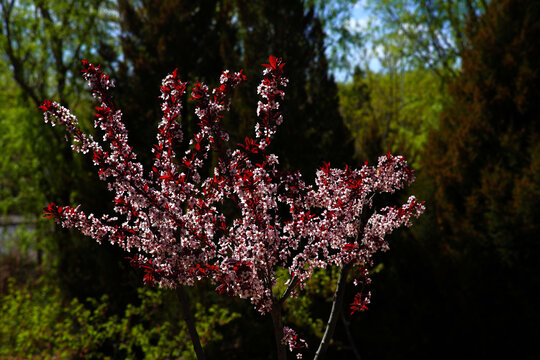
(358, 23)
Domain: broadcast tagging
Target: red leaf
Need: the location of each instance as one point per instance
(52, 211)
(358, 304)
(46, 106)
(326, 167)
(272, 61)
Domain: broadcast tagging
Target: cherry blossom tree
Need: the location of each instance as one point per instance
(174, 219)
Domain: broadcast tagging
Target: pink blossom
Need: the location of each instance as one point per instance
(293, 341)
(173, 217)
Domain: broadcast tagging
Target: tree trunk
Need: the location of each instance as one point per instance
(278, 331)
(190, 322)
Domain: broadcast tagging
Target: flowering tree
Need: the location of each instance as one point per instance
(173, 217)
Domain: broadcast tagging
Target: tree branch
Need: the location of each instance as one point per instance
(292, 284)
(337, 305)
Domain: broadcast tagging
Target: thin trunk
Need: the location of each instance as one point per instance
(190, 322)
(278, 331)
(337, 305)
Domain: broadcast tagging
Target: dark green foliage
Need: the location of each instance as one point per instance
(313, 130)
(356, 108)
(485, 156)
(484, 162)
(157, 37)
(202, 40)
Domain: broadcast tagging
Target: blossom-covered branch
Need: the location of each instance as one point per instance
(173, 216)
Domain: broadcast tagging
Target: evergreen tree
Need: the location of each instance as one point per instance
(313, 129)
(158, 36)
(465, 283)
(485, 164)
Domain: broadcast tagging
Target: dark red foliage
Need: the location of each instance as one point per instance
(52, 211)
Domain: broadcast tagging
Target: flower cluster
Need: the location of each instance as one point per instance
(293, 341)
(173, 217)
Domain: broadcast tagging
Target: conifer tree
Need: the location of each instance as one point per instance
(485, 163)
(202, 39)
(317, 130)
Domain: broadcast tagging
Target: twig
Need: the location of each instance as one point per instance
(289, 289)
(337, 305)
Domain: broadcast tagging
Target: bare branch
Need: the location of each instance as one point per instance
(287, 292)
(337, 305)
